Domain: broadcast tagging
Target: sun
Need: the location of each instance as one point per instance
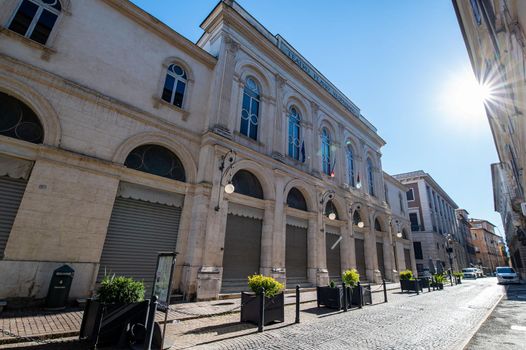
(462, 98)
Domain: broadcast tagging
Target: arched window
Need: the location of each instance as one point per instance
(294, 133)
(370, 176)
(156, 160)
(18, 121)
(250, 109)
(350, 165)
(331, 208)
(296, 200)
(356, 217)
(35, 19)
(248, 184)
(404, 234)
(326, 151)
(175, 85)
(377, 225)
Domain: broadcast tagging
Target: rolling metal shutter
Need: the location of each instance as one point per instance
(359, 249)
(407, 258)
(296, 252)
(11, 193)
(242, 251)
(138, 230)
(333, 256)
(380, 255)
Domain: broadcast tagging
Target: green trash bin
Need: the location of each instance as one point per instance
(58, 293)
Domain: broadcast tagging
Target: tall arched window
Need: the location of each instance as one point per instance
(248, 184)
(377, 225)
(350, 165)
(18, 120)
(156, 160)
(175, 85)
(326, 151)
(35, 19)
(294, 133)
(331, 208)
(370, 176)
(296, 200)
(250, 109)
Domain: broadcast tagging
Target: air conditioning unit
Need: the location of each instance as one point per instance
(523, 208)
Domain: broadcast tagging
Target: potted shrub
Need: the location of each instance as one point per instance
(408, 282)
(118, 304)
(330, 296)
(351, 278)
(458, 277)
(438, 281)
(274, 300)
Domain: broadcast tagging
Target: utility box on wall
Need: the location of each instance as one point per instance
(59, 287)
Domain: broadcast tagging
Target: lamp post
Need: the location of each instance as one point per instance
(449, 250)
(227, 164)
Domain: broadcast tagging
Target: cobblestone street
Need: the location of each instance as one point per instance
(437, 320)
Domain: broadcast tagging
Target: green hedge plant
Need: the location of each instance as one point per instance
(120, 290)
(439, 278)
(458, 274)
(351, 277)
(272, 287)
(406, 275)
(332, 284)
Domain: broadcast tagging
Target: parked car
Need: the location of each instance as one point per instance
(507, 274)
(470, 272)
(480, 273)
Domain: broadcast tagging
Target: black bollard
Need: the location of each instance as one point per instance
(417, 286)
(344, 297)
(297, 304)
(150, 323)
(261, 311)
(385, 291)
(360, 296)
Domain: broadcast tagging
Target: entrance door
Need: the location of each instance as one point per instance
(333, 256)
(296, 255)
(242, 252)
(359, 249)
(11, 192)
(380, 255)
(137, 232)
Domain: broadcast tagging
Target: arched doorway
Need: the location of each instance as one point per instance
(17, 121)
(333, 245)
(378, 228)
(242, 248)
(144, 220)
(359, 244)
(296, 254)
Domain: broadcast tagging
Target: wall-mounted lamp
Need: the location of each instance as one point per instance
(325, 197)
(359, 223)
(226, 165)
(358, 182)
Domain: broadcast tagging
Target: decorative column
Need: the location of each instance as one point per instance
(389, 262)
(312, 248)
(322, 274)
(349, 255)
(279, 231)
(314, 145)
(279, 148)
(267, 236)
(371, 258)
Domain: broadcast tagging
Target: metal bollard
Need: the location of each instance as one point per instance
(261, 311)
(385, 291)
(297, 304)
(150, 322)
(344, 297)
(417, 286)
(360, 296)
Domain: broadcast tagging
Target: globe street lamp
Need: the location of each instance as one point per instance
(225, 167)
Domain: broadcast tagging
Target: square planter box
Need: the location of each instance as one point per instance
(410, 285)
(250, 308)
(424, 283)
(106, 324)
(366, 295)
(330, 297)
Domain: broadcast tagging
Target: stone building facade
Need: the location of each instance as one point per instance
(495, 38)
(120, 138)
(433, 223)
(487, 245)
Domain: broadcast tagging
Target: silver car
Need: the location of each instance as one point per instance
(470, 272)
(507, 274)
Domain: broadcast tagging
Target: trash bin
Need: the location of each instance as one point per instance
(57, 295)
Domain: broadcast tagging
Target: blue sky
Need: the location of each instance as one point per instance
(403, 63)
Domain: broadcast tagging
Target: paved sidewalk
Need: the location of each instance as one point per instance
(40, 324)
(505, 328)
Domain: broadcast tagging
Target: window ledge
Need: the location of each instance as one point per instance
(159, 102)
(246, 138)
(46, 50)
